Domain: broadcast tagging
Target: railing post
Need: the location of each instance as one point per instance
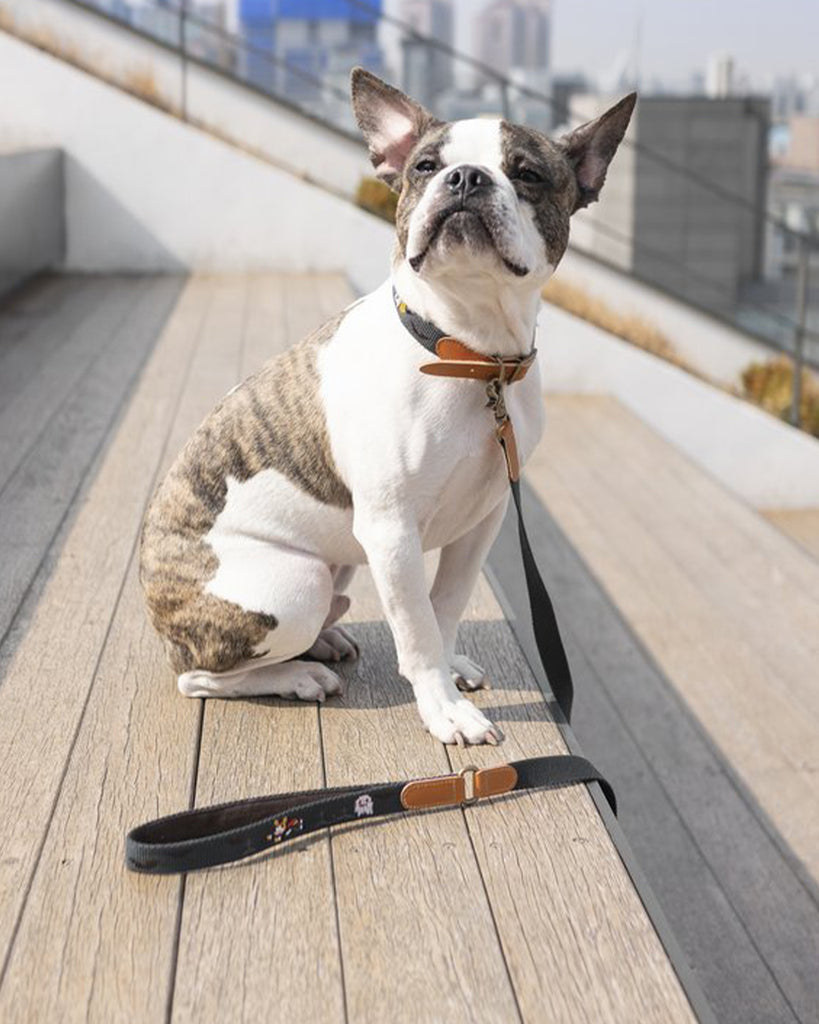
(799, 330)
(505, 110)
(183, 63)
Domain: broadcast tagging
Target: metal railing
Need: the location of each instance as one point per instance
(199, 40)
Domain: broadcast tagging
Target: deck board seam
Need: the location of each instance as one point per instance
(336, 911)
(180, 896)
(93, 677)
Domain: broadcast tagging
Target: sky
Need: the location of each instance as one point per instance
(766, 37)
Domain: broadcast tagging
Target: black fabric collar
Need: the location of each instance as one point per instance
(424, 331)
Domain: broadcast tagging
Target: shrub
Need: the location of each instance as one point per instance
(770, 385)
(378, 198)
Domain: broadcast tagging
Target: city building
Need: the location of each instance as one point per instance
(659, 222)
(427, 71)
(512, 37)
(303, 50)
(514, 34)
(719, 76)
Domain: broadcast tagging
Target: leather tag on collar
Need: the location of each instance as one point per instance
(458, 360)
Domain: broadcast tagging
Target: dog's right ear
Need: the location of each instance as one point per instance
(390, 122)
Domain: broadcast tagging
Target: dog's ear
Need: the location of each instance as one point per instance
(591, 147)
(390, 122)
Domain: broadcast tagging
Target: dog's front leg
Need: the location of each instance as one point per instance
(396, 560)
(458, 571)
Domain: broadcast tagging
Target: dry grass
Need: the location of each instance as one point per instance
(628, 326)
(378, 198)
(770, 386)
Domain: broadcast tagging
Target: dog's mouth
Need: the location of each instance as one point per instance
(465, 224)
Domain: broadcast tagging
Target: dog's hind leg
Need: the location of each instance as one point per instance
(231, 655)
(335, 643)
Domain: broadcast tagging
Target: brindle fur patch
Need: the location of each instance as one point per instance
(274, 420)
(552, 199)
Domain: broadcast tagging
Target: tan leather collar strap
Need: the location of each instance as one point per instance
(458, 360)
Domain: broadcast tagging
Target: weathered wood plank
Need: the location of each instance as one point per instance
(743, 920)
(417, 933)
(800, 524)
(40, 492)
(709, 651)
(105, 307)
(276, 945)
(34, 323)
(43, 697)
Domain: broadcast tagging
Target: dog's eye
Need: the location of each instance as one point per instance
(528, 175)
(426, 166)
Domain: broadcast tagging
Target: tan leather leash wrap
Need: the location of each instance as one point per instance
(458, 360)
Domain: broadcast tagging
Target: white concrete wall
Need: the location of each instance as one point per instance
(146, 192)
(31, 214)
(229, 109)
(713, 348)
(755, 455)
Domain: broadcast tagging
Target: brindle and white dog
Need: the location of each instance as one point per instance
(341, 452)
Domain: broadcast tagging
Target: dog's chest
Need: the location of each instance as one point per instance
(409, 444)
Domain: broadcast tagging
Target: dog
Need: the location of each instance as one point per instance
(339, 452)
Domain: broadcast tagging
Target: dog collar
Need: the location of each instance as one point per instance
(455, 359)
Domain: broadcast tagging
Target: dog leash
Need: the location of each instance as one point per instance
(228, 832)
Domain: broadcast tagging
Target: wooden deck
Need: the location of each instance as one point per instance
(801, 524)
(516, 910)
(697, 693)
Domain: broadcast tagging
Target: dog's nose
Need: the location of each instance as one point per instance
(466, 180)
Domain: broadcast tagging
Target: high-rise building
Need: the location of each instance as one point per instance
(427, 70)
(719, 76)
(514, 35)
(513, 39)
(313, 45)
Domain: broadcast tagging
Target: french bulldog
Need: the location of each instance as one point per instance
(340, 452)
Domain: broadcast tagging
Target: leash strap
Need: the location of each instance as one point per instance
(549, 643)
(229, 832)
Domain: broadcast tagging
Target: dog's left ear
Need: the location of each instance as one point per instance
(391, 123)
(591, 147)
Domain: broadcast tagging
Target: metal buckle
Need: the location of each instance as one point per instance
(470, 795)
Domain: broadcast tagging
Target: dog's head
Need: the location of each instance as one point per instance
(497, 194)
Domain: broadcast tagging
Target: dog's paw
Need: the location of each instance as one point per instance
(307, 681)
(296, 680)
(466, 675)
(334, 643)
(461, 722)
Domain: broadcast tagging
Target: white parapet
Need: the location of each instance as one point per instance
(758, 457)
(147, 192)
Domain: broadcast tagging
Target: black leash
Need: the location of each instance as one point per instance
(232, 831)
